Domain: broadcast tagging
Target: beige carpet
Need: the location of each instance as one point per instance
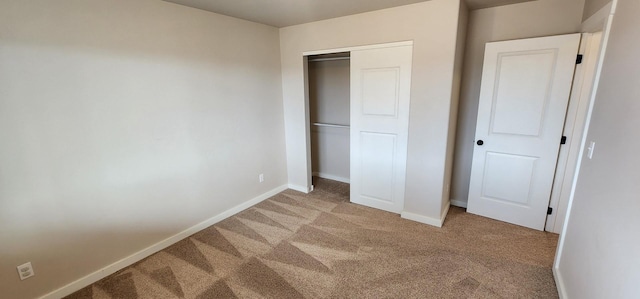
(319, 245)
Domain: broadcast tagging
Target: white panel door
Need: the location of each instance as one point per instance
(380, 87)
(523, 102)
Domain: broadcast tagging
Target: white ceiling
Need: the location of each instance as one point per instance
(282, 13)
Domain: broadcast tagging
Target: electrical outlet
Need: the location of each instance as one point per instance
(261, 177)
(25, 271)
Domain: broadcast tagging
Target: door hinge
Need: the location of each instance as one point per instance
(549, 210)
(579, 59)
(563, 140)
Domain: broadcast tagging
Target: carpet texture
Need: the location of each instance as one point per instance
(319, 245)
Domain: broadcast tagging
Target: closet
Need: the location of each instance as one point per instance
(358, 113)
(329, 115)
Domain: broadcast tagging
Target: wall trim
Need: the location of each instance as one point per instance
(331, 177)
(425, 219)
(300, 188)
(559, 283)
(459, 203)
(138, 256)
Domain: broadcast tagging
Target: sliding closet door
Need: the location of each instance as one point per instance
(380, 87)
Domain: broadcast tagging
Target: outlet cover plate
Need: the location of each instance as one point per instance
(25, 271)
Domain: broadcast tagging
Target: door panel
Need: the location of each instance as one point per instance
(520, 104)
(380, 89)
(515, 186)
(380, 86)
(523, 101)
(377, 153)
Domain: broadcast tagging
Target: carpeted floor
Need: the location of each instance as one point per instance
(319, 245)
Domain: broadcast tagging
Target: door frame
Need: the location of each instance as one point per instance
(307, 115)
(574, 126)
(562, 192)
(584, 85)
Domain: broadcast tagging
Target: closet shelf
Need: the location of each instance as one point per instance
(330, 125)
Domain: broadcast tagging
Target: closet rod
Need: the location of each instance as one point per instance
(329, 59)
(330, 125)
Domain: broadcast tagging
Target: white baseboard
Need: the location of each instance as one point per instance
(459, 203)
(138, 256)
(425, 219)
(559, 283)
(300, 188)
(331, 177)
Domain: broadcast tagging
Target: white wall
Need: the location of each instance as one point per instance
(523, 20)
(329, 95)
(123, 123)
(600, 256)
(432, 26)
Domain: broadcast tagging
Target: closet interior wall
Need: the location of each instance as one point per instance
(329, 114)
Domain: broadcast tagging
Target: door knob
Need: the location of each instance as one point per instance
(480, 142)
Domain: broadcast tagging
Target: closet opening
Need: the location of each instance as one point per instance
(329, 115)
